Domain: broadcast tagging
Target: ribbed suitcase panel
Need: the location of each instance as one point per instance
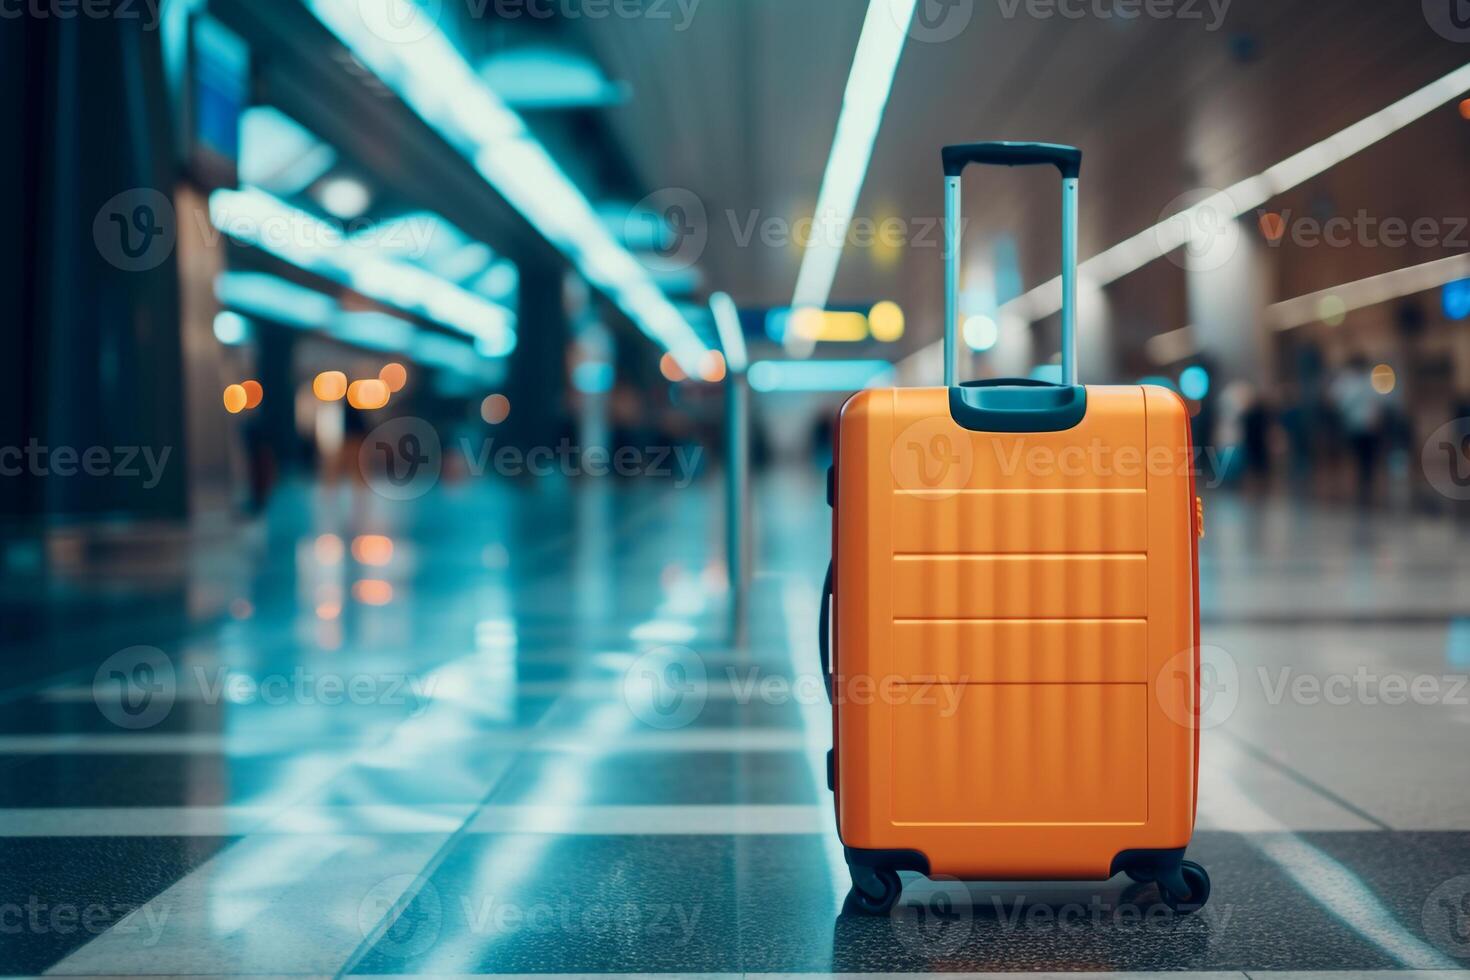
(1017, 594)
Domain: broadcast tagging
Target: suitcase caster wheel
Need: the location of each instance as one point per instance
(1197, 880)
(885, 883)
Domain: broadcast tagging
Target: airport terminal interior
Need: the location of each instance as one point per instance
(426, 426)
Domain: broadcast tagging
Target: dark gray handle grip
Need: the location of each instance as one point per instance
(1067, 159)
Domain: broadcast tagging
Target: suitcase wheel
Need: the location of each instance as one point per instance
(874, 891)
(1195, 892)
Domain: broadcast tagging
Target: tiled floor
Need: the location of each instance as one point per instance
(459, 767)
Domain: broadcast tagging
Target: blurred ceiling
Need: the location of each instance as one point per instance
(739, 108)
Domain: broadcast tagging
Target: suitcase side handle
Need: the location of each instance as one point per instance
(1068, 160)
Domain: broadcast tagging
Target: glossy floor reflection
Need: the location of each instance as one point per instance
(398, 737)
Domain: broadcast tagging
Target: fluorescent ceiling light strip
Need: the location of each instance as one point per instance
(426, 70)
(1179, 345)
(732, 338)
(1153, 243)
(259, 219)
(1369, 292)
(884, 29)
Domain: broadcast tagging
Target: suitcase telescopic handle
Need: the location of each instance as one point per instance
(1068, 160)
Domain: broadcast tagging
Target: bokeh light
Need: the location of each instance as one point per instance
(712, 367)
(1455, 299)
(328, 549)
(329, 386)
(372, 549)
(885, 321)
(1331, 310)
(367, 394)
(254, 393)
(1273, 226)
(372, 592)
(669, 367)
(980, 332)
(235, 399)
(495, 409)
(1384, 379)
(394, 375)
(1194, 382)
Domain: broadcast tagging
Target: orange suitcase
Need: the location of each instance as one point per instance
(1013, 618)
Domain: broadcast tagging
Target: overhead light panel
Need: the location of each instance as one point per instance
(1368, 292)
(868, 85)
(1240, 198)
(256, 218)
(407, 51)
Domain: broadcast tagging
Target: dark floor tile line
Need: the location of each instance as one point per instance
(1306, 782)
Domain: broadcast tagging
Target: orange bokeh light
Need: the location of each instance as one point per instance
(328, 549)
(235, 399)
(1273, 226)
(713, 368)
(367, 394)
(253, 393)
(372, 549)
(394, 375)
(1465, 109)
(329, 386)
(372, 592)
(495, 409)
(670, 368)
